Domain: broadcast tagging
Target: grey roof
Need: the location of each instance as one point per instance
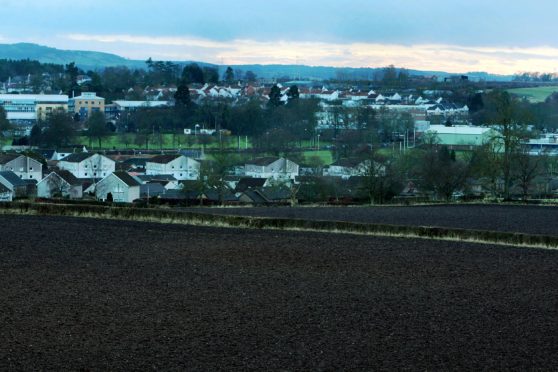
(262, 161)
(156, 177)
(68, 177)
(127, 179)
(12, 178)
(77, 157)
(163, 159)
(152, 189)
(255, 196)
(5, 158)
(248, 183)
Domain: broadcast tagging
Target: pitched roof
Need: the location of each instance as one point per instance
(68, 177)
(248, 183)
(77, 157)
(255, 196)
(5, 158)
(163, 159)
(12, 178)
(263, 161)
(127, 179)
(152, 189)
(156, 177)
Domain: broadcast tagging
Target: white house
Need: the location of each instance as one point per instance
(14, 184)
(271, 167)
(179, 166)
(25, 167)
(120, 185)
(86, 165)
(346, 168)
(6, 195)
(60, 183)
(60, 154)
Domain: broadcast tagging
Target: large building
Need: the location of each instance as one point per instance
(86, 104)
(26, 108)
(462, 136)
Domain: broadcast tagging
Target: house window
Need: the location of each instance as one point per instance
(85, 174)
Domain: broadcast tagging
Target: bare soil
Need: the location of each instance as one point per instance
(510, 218)
(87, 294)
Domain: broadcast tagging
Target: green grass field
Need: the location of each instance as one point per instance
(167, 142)
(538, 94)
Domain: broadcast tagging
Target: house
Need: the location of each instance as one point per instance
(179, 166)
(462, 135)
(122, 187)
(87, 165)
(247, 183)
(150, 190)
(12, 182)
(23, 166)
(346, 168)
(60, 183)
(271, 167)
(61, 153)
(6, 195)
(166, 180)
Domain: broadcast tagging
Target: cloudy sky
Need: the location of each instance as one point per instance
(498, 36)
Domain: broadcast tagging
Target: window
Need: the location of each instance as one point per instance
(86, 166)
(85, 174)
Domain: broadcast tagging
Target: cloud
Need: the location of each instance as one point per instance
(451, 58)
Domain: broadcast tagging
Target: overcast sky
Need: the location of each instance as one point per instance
(499, 36)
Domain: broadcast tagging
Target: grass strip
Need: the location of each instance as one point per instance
(217, 220)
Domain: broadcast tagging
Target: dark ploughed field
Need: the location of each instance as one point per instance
(524, 219)
(112, 295)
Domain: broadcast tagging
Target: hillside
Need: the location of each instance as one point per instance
(90, 60)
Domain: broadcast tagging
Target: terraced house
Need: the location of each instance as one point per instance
(23, 166)
(118, 186)
(87, 165)
(179, 166)
(271, 167)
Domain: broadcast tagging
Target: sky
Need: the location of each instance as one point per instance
(497, 36)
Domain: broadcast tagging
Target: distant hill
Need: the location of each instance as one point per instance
(84, 59)
(89, 60)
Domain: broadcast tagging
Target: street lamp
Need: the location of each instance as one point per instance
(318, 135)
(196, 127)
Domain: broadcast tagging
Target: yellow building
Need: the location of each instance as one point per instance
(86, 104)
(46, 106)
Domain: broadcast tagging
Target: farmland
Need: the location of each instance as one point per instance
(507, 218)
(538, 94)
(93, 294)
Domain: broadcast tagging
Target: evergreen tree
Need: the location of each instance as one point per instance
(182, 96)
(229, 75)
(274, 97)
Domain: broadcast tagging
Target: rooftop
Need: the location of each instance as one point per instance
(126, 178)
(460, 129)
